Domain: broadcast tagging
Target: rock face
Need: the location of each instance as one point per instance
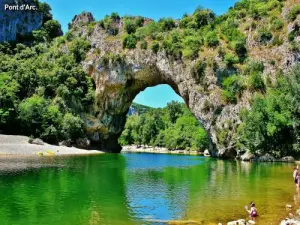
(18, 23)
(120, 75)
(83, 18)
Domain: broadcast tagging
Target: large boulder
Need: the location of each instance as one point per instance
(67, 143)
(266, 158)
(37, 141)
(290, 222)
(247, 156)
(288, 159)
(83, 143)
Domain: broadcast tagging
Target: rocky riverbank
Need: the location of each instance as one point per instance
(19, 145)
(160, 150)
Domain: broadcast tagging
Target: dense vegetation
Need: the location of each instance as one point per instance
(173, 127)
(43, 90)
(272, 125)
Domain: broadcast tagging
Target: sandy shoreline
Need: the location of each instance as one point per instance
(14, 145)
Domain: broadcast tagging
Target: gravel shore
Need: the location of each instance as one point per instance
(159, 150)
(19, 145)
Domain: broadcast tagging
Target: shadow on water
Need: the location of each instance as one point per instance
(141, 189)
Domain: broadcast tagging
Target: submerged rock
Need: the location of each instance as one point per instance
(290, 222)
(237, 222)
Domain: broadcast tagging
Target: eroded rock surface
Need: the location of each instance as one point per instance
(16, 23)
(120, 74)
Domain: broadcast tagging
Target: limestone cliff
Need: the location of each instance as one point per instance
(17, 19)
(17, 22)
(122, 65)
(120, 74)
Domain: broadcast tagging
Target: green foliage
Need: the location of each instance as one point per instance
(166, 24)
(173, 127)
(256, 82)
(294, 12)
(115, 16)
(155, 47)
(79, 48)
(198, 71)
(39, 85)
(272, 125)
(191, 47)
(130, 26)
(53, 28)
(231, 59)
(143, 45)
(264, 36)
(174, 110)
(110, 24)
(72, 126)
(201, 17)
(139, 21)
(211, 39)
(276, 24)
(31, 113)
(130, 41)
(232, 88)
(254, 66)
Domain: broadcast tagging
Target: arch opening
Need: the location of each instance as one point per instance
(158, 118)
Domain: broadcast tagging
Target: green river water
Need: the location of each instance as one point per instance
(141, 189)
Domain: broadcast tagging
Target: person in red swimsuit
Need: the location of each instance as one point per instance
(253, 211)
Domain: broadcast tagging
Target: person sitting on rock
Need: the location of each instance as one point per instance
(253, 211)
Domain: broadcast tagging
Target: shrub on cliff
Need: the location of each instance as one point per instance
(130, 26)
(211, 39)
(155, 47)
(53, 28)
(232, 88)
(79, 48)
(130, 41)
(166, 24)
(294, 12)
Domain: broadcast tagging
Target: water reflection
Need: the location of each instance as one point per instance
(141, 189)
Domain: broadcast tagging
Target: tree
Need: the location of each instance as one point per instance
(31, 112)
(72, 127)
(130, 26)
(53, 28)
(129, 41)
(174, 110)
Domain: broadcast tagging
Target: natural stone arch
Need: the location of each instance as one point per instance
(120, 74)
(120, 78)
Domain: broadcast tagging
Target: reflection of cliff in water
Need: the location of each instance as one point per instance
(86, 190)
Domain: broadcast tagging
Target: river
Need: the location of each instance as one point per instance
(133, 188)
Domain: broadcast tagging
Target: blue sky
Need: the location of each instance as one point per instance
(65, 10)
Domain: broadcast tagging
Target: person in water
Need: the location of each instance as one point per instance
(295, 176)
(253, 211)
(297, 181)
